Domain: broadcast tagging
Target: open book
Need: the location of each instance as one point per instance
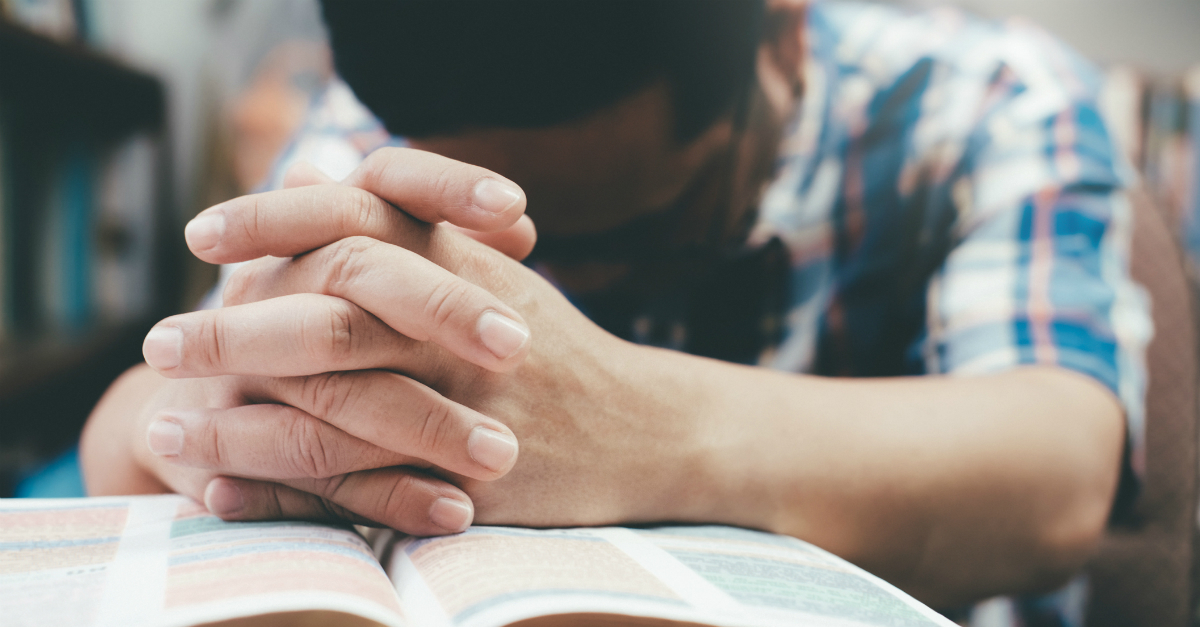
(165, 561)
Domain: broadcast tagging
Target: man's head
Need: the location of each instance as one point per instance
(604, 111)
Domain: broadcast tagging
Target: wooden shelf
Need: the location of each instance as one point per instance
(30, 362)
(48, 386)
(56, 97)
(67, 82)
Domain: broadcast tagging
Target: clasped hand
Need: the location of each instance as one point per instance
(373, 365)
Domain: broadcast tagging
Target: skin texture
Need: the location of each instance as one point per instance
(349, 376)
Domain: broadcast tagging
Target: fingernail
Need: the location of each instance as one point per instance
(163, 348)
(205, 230)
(501, 335)
(223, 497)
(450, 514)
(491, 449)
(495, 197)
(165, 437)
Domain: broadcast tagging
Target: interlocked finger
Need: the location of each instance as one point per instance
(516, 241)
(410, 294)
(396, 195)
(294, 335)
(271, 442)
(400, 498)
(401, 415)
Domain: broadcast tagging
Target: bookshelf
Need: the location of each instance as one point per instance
(89, 251)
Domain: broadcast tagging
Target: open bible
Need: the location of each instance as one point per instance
(165, 561)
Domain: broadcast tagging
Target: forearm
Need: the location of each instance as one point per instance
(953, 488)
(106, 454)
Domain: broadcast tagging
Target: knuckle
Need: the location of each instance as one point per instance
(436, 426)
(214, 340)
(271, 500)
(329, 491)
(359, 211)
(444, 300)
(397, 503)
(333, 511)
(343, 263)
(214, 445)
(326, 394)
(446, 182)
(307, 452)
(252, 222)
(329, 337)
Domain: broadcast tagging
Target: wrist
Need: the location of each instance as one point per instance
(683, 472)
(730, 458)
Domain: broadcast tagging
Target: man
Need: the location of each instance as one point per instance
(831, 190)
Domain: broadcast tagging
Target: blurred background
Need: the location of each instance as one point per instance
(121, 119)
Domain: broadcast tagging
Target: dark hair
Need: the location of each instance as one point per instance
(435, 67)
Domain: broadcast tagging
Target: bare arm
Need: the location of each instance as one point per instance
(952, 488)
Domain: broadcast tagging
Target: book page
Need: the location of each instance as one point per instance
(492, 576)
(779, 576)
(165, 561)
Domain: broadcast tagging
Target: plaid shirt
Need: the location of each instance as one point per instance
(946, 200)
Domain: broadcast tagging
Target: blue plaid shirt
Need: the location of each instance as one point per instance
(946, 200)
(953, 204)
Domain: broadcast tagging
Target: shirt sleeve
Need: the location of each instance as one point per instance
(1039, 273)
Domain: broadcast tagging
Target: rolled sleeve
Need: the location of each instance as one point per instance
(1046, 282)
(1039, 273)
